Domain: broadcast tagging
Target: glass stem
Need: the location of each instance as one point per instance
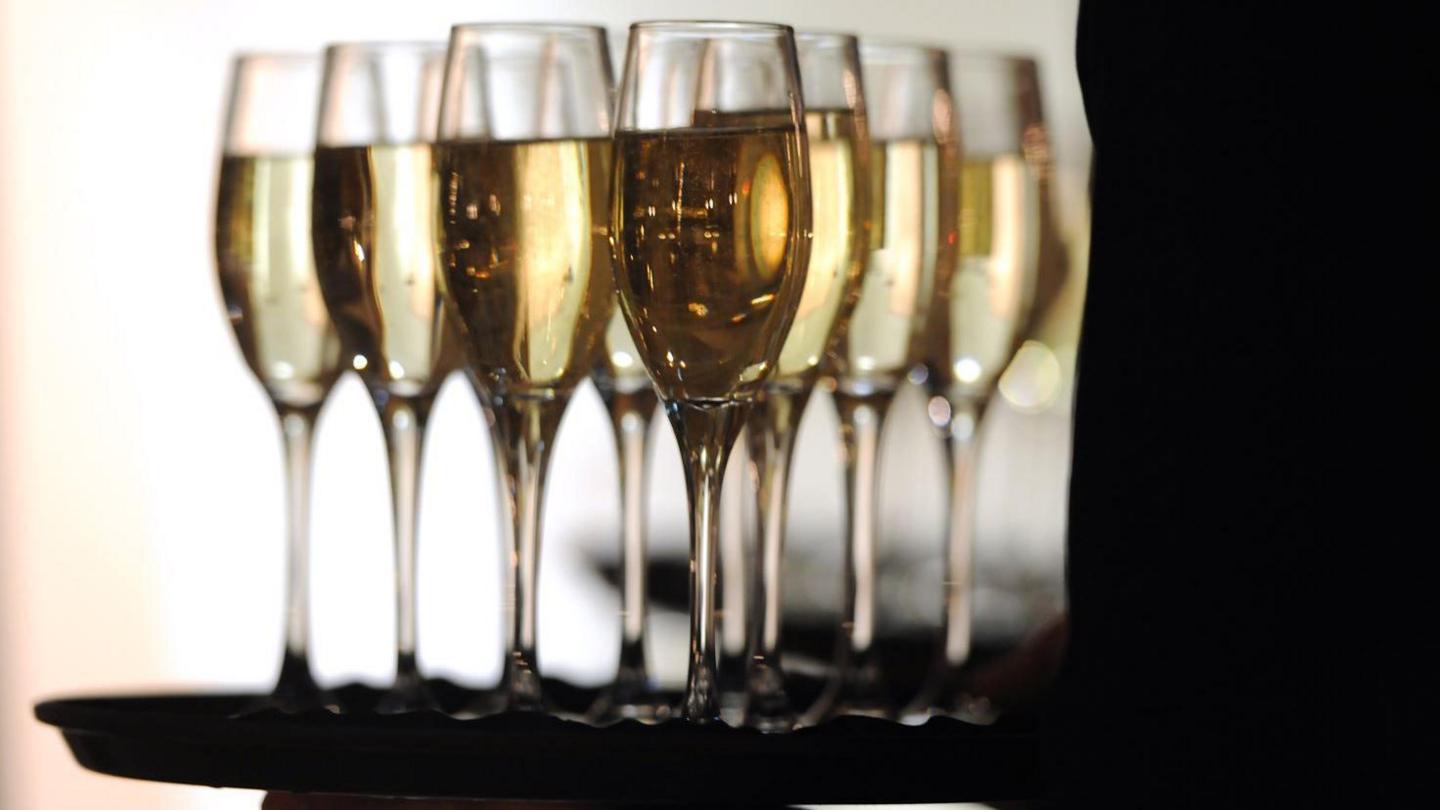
(630, 416)
(960, 527)
(705, 433)
(295, 688)
(526, 426)
(493, 700)
(857, 686)
(732, 594)
(957, 421)
(772, 427)
(404, 420)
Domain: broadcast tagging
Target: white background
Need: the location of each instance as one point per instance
(141, 522)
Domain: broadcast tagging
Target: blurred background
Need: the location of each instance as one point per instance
(141, 514)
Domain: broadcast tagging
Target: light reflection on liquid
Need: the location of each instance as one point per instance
(1033, 380)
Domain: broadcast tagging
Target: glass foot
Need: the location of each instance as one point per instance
(482, 703)
(408, 694)
(852, 691)
(767, 706)
(946, 694)
(296, 690)
(964, 706)
(521, 687)
(641, 702)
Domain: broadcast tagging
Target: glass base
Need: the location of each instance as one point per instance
(521, 685)
(633, 695)
(296, 690)
(483, 703)
(964, 706)
(732, 708)
(409, 693)
(946, 694)
(767, 706)
(858, 690)
(644, 703)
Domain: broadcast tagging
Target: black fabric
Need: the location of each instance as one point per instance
(1246, 423)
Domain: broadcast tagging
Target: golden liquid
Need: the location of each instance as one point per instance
(267, 277)
(988, 294)
(712, 235)
(373, 231)
(526, 255)
(620, 367)
(876, 349)
(838, 228)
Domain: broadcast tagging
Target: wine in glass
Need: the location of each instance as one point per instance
(907, 87)
(839, 154)
(523, 174)
(267, 278)
(373, 232)
(711, 228)
(977, 320)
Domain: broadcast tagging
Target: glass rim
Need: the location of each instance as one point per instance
(702, 26)
(838, 38)
(381, 46)
(239, 58)
(552, 28)
(906, 50)
(999, 57)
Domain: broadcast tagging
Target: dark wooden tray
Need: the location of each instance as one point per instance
(222, 740)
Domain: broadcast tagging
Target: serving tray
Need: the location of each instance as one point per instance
(230, 740)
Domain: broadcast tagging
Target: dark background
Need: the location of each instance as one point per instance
(1246, 428)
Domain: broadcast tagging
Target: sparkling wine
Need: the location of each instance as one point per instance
(875, 351)
(268, 280)
(838, 228)
(375, 253)
(979, 318)
(711, 239)
(619, 368)
(526, 256)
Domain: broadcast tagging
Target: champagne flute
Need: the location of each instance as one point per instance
(267, 279)
(977, 321)
(839, 155)
(522, 163)
(373, 232)
(909, 114)
(711, 232)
